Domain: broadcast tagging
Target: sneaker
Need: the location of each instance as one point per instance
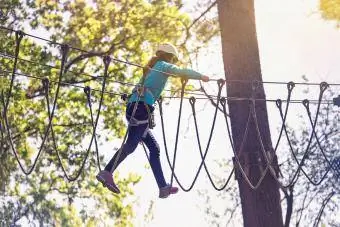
(105, 177)
(166, 191)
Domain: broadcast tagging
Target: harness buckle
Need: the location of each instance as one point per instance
(152, 122)
(140, 90)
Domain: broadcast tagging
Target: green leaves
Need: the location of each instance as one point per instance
(127, 30)
(330, 9)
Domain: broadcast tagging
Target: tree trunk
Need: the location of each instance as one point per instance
(260, 207)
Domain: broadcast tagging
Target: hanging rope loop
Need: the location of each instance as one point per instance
(184, 82)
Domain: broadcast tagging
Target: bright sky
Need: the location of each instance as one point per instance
(293, 41)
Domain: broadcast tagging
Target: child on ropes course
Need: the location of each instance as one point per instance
(155, 77)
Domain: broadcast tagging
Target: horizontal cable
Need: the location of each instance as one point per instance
(5, 55)
(169, 74)
(172, 97)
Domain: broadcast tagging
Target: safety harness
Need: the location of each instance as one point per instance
(140, 90)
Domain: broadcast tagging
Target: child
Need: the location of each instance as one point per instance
(154, 83)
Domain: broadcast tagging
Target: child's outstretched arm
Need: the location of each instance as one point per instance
(188, 73)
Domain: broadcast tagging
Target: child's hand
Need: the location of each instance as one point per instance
(205, 78)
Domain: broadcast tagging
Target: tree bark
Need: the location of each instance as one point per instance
(260, 207)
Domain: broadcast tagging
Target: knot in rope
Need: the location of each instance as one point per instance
(290, 85)
(223, 101)
(220, 83)
(46, 84)
(87, 91)
(64, 50)
(305, 102)
(124, 97)
(107, 60)
(19, 35)
(278, 103)
(323, 86)
(192, 100)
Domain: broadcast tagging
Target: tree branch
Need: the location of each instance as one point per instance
(289, 198)
(202, 14)
(93, 54)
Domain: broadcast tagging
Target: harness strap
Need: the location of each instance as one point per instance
(135, 122)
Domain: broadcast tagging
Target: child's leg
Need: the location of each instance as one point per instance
(134, 137)
(155, 163)
(135, 134)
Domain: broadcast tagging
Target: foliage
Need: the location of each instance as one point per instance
(330, 9)
(125, 29)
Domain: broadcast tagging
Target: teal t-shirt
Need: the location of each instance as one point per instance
(155, 80)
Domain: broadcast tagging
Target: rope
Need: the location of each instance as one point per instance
(109, 93)
(220, 84)
(237, 163)
(263, 149)
(139, 94)
(172, 167)
(18, 38)
(66, 84)
(184, 82)
(318, 141)
(269, 160)
(169, 74)
(87, 91)
(290, 87)
(6, 103)
(323, 87)
(70, 178)
(236, 160)
(88, 75)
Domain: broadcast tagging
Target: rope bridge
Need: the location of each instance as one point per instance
(220, 106)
